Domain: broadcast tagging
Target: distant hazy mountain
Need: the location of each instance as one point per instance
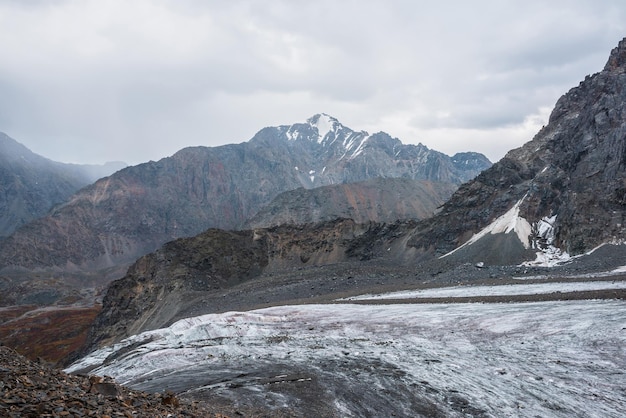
(31, 185)
(379, 199)
(134, 211)
(98, 171)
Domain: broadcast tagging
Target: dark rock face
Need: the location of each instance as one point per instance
(118, 218)
(31, 184)
(574, 169)
(378, 200)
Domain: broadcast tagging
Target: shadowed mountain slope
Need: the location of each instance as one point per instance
(379, 200)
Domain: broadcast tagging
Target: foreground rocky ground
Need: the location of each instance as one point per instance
(36, 389)
(31, 389)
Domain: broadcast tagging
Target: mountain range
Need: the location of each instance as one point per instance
(92, 237)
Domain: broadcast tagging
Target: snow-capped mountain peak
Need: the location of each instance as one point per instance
(328, 152)
(324, 124)
(327, 131)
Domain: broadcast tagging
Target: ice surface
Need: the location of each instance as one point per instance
(548, 255)
(503, 290)
(545, 229)
(557, 359)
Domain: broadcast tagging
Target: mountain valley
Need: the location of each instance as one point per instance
(301, 273)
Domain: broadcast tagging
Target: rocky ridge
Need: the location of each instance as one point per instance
(161, 287)
(568, 180)
(324, 151)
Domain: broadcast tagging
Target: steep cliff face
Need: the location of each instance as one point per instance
(134, 211)
(568, 182)
(379, 200)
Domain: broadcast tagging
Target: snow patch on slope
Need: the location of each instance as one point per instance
(324, 124)
(509, 222)
(543, 240)
(292, 134)
(354, 144)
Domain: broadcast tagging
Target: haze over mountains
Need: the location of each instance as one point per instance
(31, 184)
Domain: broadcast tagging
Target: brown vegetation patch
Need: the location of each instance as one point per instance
(48, 333)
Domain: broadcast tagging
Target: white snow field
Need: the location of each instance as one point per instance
(548, 359)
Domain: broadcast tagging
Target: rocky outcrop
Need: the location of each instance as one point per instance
(31, 184)
(568, 181)
(378, 200)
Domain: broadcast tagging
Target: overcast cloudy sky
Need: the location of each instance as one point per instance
(98, 80)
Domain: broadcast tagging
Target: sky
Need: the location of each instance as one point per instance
(90, 81)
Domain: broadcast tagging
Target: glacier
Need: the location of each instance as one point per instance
(561, 358)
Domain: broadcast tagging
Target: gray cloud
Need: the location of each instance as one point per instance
(90, 81)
